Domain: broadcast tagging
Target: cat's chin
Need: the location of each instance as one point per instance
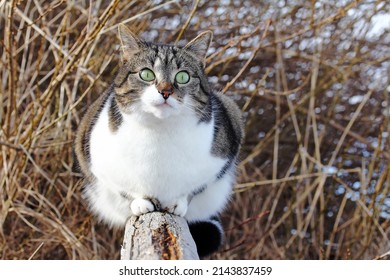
(162, 110)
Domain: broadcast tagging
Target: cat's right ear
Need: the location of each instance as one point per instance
(130, 43)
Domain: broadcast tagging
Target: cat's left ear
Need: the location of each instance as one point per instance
(130, 43)
(200, 45)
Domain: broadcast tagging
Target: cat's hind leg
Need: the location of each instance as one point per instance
(203, 211)
(110, 207)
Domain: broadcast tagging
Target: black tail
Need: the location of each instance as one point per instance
(208, 235)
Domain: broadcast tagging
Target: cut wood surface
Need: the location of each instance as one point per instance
(158, 236)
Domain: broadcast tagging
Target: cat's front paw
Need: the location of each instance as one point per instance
(141, 206)
(179, 208)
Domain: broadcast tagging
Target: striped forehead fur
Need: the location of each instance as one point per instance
(173, 55)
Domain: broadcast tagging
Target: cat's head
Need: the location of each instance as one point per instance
(162, 80)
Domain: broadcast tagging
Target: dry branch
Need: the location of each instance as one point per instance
(158, 236)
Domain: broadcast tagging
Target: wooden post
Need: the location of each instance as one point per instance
(158, 236)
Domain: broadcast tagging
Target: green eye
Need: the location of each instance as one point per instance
(182, 77)
(147, 75)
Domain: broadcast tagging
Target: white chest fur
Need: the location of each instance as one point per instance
(165, 160)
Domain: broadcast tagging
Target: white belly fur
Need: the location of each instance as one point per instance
(164, 161)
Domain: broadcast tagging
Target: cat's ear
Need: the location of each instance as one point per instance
(130, 43)
(200, 45)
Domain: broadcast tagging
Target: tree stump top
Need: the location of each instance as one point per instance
(158, 236)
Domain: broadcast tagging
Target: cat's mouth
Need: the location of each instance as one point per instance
(154, 103)
(164, 105)
(164, 109)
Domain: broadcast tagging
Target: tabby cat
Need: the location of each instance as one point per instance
(159, 139)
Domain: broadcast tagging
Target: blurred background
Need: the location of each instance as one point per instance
(311, 77)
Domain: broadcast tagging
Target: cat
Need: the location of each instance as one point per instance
(159, 139)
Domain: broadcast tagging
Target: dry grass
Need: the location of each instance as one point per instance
(312, 82)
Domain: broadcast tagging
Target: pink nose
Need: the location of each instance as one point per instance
(165, 89)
